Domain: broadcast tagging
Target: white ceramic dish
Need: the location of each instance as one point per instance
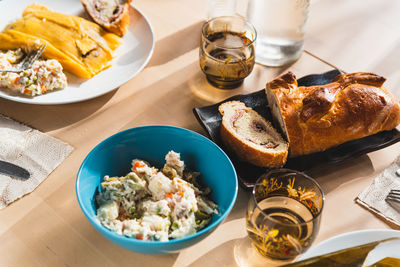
(130, 58)
(350, 239)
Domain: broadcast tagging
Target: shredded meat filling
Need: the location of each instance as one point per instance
(270, 145)
(238, 114)
(258, 127)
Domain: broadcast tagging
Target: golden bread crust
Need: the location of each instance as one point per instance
(353, 106)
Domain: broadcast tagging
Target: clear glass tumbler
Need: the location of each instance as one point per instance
(284, 214)
(227, 51)
(280, 25)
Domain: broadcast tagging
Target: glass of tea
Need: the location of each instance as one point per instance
(284, 214)
(227, 51)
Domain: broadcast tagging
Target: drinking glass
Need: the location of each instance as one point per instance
(284, 214)
(281, 26)
(227, 51)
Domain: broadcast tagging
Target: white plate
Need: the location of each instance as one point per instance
(130, 58)
(348, 240)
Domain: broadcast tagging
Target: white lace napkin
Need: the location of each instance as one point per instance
(37, 152)
(373, 197)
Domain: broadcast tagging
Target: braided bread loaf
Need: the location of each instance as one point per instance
(316, 118)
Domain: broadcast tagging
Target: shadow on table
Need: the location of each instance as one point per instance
(240, 207)
(332, 176)
(390, 224)
(236, 252)
(51, 117)
(186, 40)
(214, 256)
(159, 102)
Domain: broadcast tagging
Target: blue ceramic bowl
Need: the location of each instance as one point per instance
(113, 156)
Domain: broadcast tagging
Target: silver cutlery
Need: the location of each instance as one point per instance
(27, 61)
(394, 196)
(13, 170)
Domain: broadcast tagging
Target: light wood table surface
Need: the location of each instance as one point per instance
(47, 227)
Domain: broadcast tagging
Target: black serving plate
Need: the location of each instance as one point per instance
(210, 119)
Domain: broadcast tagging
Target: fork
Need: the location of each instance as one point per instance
(394, 194)
(27, 61)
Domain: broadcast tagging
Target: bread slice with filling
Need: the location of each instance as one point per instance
(113, 15)
(251, 137)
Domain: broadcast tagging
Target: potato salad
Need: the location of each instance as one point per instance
(149, 204)
(42, 77)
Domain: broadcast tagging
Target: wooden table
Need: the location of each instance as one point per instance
(47, 227)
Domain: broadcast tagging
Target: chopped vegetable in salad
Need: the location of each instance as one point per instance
(43, 76)
(149, 204)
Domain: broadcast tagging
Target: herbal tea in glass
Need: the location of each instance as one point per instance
(284, 214)
(227, 51)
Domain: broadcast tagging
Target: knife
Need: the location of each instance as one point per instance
(13, 170)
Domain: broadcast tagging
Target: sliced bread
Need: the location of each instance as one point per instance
(251, 137)
(113, 15)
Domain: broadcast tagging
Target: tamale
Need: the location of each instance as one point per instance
(11, 39)
(82, 47)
